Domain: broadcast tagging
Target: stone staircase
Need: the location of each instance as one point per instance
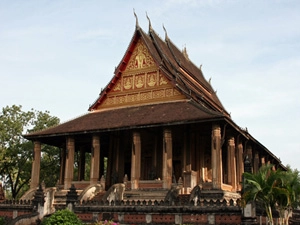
(60, 198)
(154, 194)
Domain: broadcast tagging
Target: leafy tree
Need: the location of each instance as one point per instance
(62, 217)
(290, 199)
(259, 187)
(15, 151)
(272, 189)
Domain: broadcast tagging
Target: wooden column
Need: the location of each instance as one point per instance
(109, 169)
(187, 166)
(95, 160)
(81, 168)
(119, 160)
(250, 155)
(263, 161)
(69, 171)
(240, 164)
(36, 164)
(202, 162)
(216, 156)
(154, 156)
(256, 162)
(136, 161)
(231, 163)
(167, 159)
(62, 166)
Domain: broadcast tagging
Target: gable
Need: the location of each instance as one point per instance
(141, 82)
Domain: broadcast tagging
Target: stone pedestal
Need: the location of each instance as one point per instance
(72, 198)
(38, 201)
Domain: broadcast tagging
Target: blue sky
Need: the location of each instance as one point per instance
(57, 55)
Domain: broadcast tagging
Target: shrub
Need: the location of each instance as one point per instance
(3, 220)
(62, 217)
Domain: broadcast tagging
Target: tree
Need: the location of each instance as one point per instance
(273, 189)
(259, 188)
(290, 199)
(15, 151)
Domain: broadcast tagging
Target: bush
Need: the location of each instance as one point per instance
(3, 220)
(62, 217)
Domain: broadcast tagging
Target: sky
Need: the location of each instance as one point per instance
(56, 55)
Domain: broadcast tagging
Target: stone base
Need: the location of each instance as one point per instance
(219, 194)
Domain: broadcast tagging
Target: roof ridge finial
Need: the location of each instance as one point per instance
(184, 51)
(136, 19)
(166, 34)
(150, 27)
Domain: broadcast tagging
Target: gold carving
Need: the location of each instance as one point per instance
(146, 95)
(162, 80)
(146, 85)
(109, 101)
(127, 83)
(133, 97)
(138, 97)
(176, 92)
(140, 57)
(159, 93)
(151, 79)
(169, 92)
(120, 99)
(117, 87)
(130, 98)
(139, 81)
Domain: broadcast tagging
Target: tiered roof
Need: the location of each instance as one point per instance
(198, 101)
(177, 94)
(175, 65)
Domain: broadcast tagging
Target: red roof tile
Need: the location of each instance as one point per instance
(130, 117)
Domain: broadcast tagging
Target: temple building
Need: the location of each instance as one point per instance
(157, 124)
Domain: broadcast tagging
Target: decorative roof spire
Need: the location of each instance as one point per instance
(184, 52)
(136, 19)
(166, 34)
(150, 27)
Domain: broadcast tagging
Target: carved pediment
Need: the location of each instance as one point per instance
(141, 82)
(140, 58)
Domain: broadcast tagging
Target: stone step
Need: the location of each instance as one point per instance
(145, 195)
(60, 197)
